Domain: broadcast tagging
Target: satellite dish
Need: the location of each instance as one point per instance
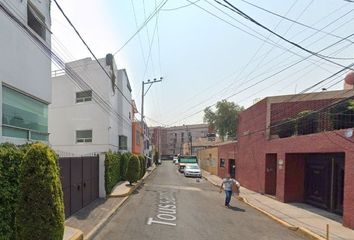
(348, 133)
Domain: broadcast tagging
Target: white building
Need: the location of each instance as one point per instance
(92, 120)
(25, 68)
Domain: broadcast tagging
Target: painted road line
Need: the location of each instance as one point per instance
(166, 211)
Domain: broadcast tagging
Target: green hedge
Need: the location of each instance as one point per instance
(112, 170)
(40, 211)
(142, 166)
(10, 161)
(124, 165)
(307, 122)
(133, 171)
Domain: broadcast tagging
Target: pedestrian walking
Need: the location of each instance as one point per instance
(228, 183)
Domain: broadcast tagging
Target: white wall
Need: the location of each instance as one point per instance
(125, 107)
(66, 116)
(23, 65)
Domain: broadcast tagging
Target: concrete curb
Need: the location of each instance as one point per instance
(98, 227)
(78, 235)
(300, 230)
(71, 233)
(131, 190)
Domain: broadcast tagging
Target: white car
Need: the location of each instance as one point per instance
(192, 170)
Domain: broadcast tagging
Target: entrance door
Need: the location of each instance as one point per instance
(76, 184)
(271, 174)
(79, 179)
(324, 181)
(232, 168)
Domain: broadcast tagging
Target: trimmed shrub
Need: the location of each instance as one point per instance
(40, 212)
(307, 122)
(124, 165)
(133, 171)
(285, 128)
(342, 115)
(10, 161)
(112, 170)
(142, 166)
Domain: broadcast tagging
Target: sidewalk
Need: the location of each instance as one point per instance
(293, 215)
(91, 218)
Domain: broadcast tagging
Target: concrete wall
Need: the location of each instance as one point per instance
(125, 107)
(66, 116)
(208, 160)
(23, 65)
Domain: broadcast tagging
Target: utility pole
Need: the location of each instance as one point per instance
(143, 93)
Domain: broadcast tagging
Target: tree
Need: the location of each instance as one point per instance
(133, 171)
(224, 119)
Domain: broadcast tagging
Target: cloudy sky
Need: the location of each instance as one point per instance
(207, 53)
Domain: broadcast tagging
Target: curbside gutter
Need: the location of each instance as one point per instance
(71, 233)
(100, 225)
(300, 230)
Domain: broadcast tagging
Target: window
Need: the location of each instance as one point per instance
(36, 21)
(85, 96)
(23, 116)
(123, 142)
(137, 136)
(222, 162)
(83, 136)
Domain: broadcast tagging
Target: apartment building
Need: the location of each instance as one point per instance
(25, 70)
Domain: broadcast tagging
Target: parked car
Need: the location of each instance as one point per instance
(192, 170)
(183, 161)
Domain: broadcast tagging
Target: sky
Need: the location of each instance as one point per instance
(206, 53)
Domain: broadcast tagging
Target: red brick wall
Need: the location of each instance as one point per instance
(348, 216)
(294, 178)
(283, 110)
(253, 146)
(226, 152)
(251, 139)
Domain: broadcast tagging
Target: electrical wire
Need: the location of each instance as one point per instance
(291, 20)
(180, 7)
(244, 15)
(89, 49)
(162, 3)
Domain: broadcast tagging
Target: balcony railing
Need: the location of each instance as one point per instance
(312, 123)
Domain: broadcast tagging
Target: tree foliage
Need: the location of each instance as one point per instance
(224, 118)
(133, 171)
(40, 213)
(10, 161)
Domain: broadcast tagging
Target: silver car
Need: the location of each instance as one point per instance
(192, 170)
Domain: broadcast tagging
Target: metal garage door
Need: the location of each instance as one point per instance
(79, 178)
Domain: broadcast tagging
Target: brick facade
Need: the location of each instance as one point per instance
(254, 145)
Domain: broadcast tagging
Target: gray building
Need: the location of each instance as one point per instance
(173, 140)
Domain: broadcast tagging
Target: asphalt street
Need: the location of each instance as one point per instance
(170, 206)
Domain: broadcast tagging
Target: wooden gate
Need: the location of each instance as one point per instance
(79, 178)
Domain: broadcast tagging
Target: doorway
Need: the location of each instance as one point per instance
(271, 174)
(232, 168)
(324, 181)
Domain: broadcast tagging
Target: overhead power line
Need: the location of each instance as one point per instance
(84, 42)
(162, 3)
(244, 15)
(294, 21)
(177, 8)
